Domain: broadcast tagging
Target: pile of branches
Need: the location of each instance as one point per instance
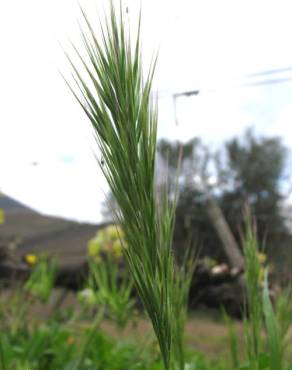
(212, 286)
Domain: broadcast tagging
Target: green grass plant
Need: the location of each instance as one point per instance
(109, 283)
(112, 290)
(265, 324)
(274, 338)
(233, 341)
(42, 279)
(254, 309)
(283, 311)
(116, 97)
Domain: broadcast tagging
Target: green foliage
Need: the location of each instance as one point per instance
(273, 332)
(112, 291)
(256, 164)
(248, 169)
(283, 309)
(60, 343)
(119, 106)
(192, 221)
(233, 342)
(263, 352)
(55, 347)
(109, 283)
(253, 321)
(3, 360)
(108, 241)
(118, 103)
(42, 279)
(183, 280)
(253, 172)
(193, 155)
(15, 304)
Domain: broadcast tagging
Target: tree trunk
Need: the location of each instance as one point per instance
(230, 246)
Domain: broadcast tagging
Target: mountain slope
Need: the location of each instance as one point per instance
(32, 232)
(10, 205)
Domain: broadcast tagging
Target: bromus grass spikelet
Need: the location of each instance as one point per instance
(116, 97)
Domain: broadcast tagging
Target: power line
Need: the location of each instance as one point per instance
(269, 72)
(267, 82)
(270, 81)
(243, 84)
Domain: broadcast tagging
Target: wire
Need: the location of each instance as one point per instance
(267, 82)
(270, 81)
(244, 84)
(269, 72)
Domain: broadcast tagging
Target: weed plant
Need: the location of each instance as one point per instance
(254, 306)
(109, 283)
(42, 279)
(116, 97)
(117, 100)
(265, 325)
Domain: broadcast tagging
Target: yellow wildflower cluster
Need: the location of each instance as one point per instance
(109, 240)
(31, 259)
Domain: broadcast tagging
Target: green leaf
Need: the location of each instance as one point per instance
(274, 339)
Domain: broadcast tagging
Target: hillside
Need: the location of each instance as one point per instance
(11, 205)
(31, 231)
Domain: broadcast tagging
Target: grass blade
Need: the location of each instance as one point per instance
(273, 334)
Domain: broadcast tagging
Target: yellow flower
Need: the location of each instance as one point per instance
(31, 259)
(93, 247)
(97, 259)
(117, 249)
(107, 240)
(70, 340)
(112, 233)
(2, 216)
(262, 273)
(262, 257)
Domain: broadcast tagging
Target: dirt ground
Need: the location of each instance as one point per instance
(204, 333)
(205, 330)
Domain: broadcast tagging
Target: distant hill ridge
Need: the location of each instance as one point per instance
(37, 233)
(9, 204)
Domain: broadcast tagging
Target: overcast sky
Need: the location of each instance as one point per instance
(46, 146)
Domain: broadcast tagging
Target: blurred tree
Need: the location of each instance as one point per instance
(109, 208)
(247, 170)
(253, 174)
(198, 214)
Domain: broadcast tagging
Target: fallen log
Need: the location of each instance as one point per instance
(212, 287)
(69, 277)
